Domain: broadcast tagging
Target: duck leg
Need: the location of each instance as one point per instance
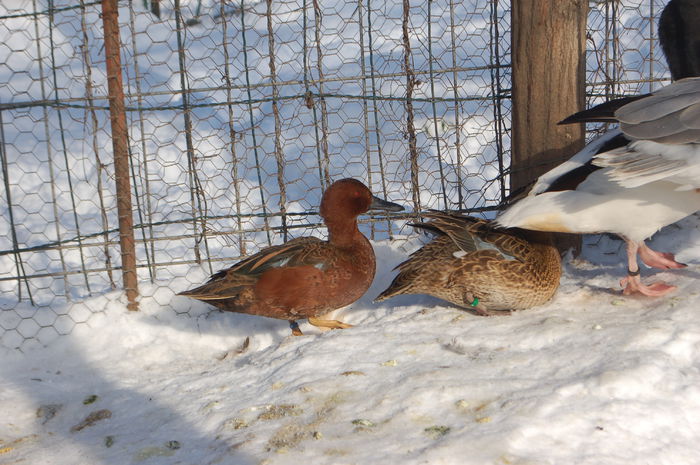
(633, 283)
(332, 324)
(663, 260)
(483, 311)
(479, 309)
(295, 328)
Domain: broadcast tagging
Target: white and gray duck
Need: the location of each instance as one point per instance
(639, 178)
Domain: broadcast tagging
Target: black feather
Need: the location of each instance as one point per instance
(680, 37)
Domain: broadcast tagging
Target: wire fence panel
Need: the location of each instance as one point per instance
(239, 114)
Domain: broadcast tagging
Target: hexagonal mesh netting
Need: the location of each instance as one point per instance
(239, 114)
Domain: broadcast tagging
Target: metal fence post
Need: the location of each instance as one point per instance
(110, 20)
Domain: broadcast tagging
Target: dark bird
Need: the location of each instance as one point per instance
(639, 178)
(475, 265)
(306, 277)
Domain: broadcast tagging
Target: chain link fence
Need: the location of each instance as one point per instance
(239, 114)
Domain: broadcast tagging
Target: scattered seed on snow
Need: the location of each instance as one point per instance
(288, 437)
(173, 445)
(91, 419)
(363, 422)
(148, 452)
(436, 431)
(274, 412)
(456, 347)
(47, 412)
(235, 423)
(234, 352)
(461, 403)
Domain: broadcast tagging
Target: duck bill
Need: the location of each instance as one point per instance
(381, 204)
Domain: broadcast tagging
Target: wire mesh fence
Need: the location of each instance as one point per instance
(239, 114)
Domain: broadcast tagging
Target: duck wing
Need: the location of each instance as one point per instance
(471, 234)
(296, 252)
(663, 129)
(668, 115)
(602, 113)
(229, 282)
(571, 173)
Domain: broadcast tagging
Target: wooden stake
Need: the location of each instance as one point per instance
(120, 139)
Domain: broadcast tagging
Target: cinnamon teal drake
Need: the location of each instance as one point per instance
(475, 265)
(639, 178)
(305, 277)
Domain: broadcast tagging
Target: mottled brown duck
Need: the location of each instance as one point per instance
(475, 265)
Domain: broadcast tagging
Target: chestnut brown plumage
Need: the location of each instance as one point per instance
(305, 277)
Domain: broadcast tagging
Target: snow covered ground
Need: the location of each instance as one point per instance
(590, 378)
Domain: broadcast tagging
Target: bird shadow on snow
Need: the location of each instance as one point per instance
(602, 263)
(187, 315)
(598, 270)
(79, 407)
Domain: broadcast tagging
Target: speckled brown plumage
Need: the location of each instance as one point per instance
(305, 277)
(471, 259)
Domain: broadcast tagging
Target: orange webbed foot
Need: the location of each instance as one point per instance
(661, 260)
(331, 324)
(633, 285)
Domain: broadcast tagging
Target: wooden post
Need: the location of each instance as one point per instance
(549, 46)
(120, 139)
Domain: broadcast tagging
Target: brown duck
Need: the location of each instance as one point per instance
(475, 265)
(306, 277)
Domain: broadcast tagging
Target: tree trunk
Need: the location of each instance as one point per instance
(549, 77)
(549, 46)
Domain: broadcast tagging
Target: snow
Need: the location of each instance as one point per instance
(592, 377)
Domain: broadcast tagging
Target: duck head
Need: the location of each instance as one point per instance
(348, 198)
(679, 35)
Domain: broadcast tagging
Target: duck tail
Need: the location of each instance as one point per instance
(383, 296)
(200, 293)
(395, 288)
(388, 293)
(215, 291)
(602, 113)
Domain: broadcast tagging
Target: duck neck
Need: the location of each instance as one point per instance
(343, 232)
